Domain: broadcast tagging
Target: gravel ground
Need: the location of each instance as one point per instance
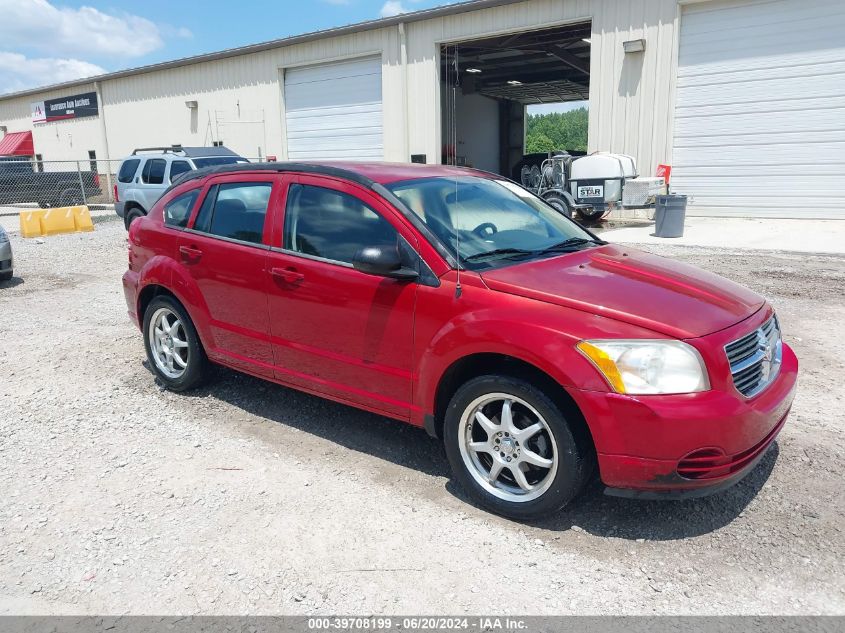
(118, 497)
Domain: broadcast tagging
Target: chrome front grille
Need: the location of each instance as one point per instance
(755, 358)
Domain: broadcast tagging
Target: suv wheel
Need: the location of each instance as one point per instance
(511, 448)
(131, 215)
(173, 347)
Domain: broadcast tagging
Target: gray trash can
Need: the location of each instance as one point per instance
(669, 214)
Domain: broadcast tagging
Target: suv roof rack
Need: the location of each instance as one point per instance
(169, 148)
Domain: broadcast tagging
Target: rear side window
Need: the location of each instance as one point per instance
(332, 225)
(235, 211)
(178, 210)
(153, 172)
(178, 167)
(128, 169)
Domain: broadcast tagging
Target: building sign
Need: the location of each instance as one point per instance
(71, 107)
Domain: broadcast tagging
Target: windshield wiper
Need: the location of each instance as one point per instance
(498, 252)
(571, 244)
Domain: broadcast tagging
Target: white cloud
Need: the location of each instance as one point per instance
(391, 8)
(17, 72)
(37, 24)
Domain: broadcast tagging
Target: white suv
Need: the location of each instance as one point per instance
(148, 172)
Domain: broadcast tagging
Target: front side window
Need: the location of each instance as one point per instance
(153, 172)
(332, 225)
(489, 221)
(128, 169)
(235, 211)
(178, 210)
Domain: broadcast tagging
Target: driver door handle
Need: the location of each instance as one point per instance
(190, 253)
(289, 275)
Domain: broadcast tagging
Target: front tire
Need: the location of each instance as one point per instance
(512, 449)
(173, 347)
(7, 275)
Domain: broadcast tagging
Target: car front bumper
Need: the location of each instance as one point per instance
(718, 435)
(7, 262)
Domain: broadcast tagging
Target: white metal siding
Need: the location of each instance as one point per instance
(760, 109)
(334, 111)
(630, 95)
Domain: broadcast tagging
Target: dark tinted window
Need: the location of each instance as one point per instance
(236, 211)
(332, 225)
(128, 169)
(178, 211)
(178, 167)
(153, 173)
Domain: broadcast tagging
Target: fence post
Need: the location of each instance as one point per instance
(81, 183)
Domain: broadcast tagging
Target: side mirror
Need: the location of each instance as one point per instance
(384, 261)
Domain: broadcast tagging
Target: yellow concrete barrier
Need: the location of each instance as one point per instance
(55, 221)
(82, 219)
(31, 223)
(59, 220)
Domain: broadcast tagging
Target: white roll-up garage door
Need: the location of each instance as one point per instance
(333, 111)
(760, 109)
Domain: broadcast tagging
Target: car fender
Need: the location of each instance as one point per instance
(535, 342)
(131, 195)
(168, 273)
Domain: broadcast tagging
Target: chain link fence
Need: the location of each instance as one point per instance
(29, 183)
(26, 182)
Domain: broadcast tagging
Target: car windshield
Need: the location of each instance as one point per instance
(491, 222)
(210, 161)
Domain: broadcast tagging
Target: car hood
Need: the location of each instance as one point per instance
(629, 285)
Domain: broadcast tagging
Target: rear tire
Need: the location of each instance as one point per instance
(70, 198)
(7, 275)
(486, 440)
(131, 215)
(173, 347)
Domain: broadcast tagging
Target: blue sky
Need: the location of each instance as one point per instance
(50, 41)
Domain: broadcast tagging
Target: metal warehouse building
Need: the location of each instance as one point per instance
(745, 99)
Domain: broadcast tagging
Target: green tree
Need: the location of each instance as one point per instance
(557, 131)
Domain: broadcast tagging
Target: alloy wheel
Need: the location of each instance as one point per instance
(169, 343)
(508, 447)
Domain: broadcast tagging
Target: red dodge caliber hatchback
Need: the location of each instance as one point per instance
(457, 301)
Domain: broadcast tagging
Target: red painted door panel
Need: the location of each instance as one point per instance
(337, 330)
(231, 278)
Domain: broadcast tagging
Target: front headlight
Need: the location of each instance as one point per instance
(4, 237)
(642, 366)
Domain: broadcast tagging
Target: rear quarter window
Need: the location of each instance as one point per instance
(128, 169)
(178, 211)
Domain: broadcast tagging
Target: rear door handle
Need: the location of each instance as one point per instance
(190, 253)
(290, 275)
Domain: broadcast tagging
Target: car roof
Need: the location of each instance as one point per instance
(365, 173)
(178, 151)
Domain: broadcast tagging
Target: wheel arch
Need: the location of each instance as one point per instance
(150, 292)
(481, 364)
